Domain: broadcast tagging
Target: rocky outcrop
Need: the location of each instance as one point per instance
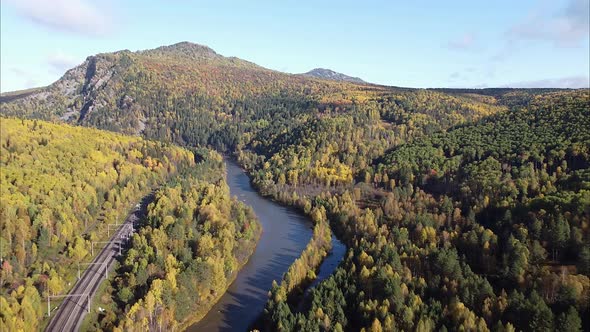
(76, 94)
(332, 75)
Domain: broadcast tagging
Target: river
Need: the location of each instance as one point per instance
(285, 235)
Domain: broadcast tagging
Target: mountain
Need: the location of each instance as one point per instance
(332, 75)
(188, 93)
(449, 201)
(119, 91)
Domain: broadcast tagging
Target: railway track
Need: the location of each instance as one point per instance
(71, 312)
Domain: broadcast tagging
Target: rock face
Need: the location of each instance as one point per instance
(332, 75)
(100, 83)
(74, 95)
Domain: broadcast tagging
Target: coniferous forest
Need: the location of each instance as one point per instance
(461, 209)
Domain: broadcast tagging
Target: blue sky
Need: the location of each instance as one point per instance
(525, 43)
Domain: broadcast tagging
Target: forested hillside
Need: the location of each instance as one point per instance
(482, 227)
(188, 94)
(330, 148)
(59, 188)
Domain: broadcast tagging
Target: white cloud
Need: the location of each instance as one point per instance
(464, 42)
(78, 16)
(571, 82)
(454, 76)
(566, 27)
(60, 62)
(15, 78)
(18, 71)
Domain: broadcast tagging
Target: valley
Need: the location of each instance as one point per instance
(444, 209)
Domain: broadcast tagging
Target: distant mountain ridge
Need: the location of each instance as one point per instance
(187, 92)
(329, 74)
(125, 91)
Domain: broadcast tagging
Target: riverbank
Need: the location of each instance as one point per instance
(230, 280)
(286, 233)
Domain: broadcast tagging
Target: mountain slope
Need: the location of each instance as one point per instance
(60, 186)
(115, 90)
(332, 75)
(189, 94)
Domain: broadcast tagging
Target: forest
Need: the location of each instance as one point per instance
(480, 227)
(462, 209)
(61, 186)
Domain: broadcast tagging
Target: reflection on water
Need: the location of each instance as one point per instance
(330, 263)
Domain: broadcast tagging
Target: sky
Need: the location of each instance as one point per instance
(455, 43)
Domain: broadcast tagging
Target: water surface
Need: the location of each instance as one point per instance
(285, 235)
